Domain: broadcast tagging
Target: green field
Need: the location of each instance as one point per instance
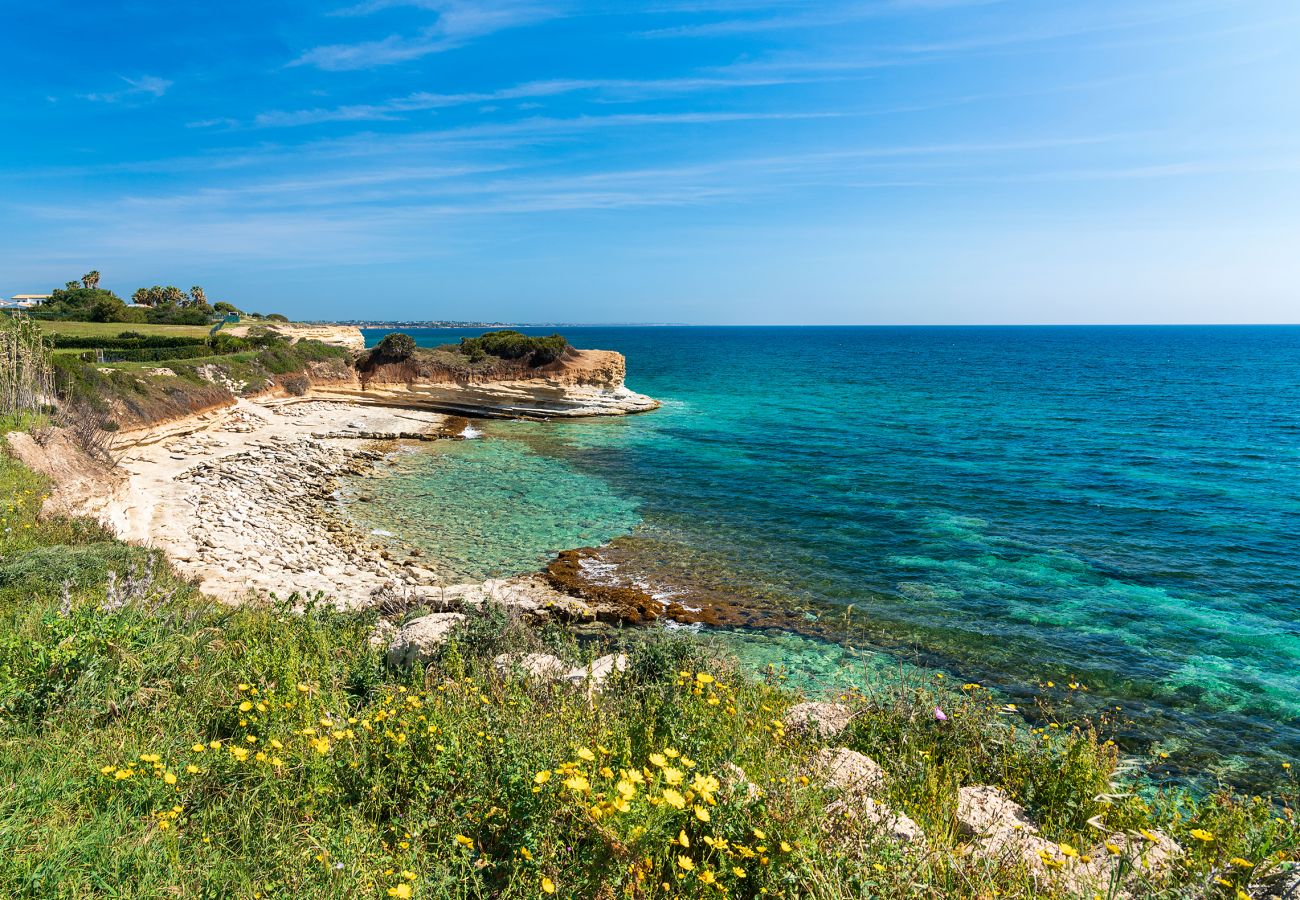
(113, 329)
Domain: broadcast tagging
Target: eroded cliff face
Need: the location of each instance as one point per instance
(348, 336)
(582, 383)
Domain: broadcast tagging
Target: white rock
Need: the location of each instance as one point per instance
(849, 771)
(826, 720)
(417, 640)
(534, 665)
(598, 672)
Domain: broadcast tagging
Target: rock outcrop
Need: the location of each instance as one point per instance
(582, 383)
(348, 336)
(419, 639)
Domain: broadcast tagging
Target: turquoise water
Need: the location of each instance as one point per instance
(1011, 505)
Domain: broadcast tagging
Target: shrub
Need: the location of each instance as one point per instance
(512, 345)
(395, 347)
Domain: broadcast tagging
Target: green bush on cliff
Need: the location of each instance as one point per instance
(513, 345)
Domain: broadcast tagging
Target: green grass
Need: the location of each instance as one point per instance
(127, 704)
(112, 329)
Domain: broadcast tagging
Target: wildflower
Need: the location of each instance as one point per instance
(706, 786)
(402, 891)
(192, 769)
(785, 848)
(701, 813)
(1112, 849)
(526, 853)
(1069, 851)
(245, 706)
(683, 839)
(704, 678)
(586, 755)
(939, 715)
(578, 784)
(708, 877)
(760, 835)
(548, 886)
(1244, 863)
(199, 748)
(1149, 836)
(464, 841)
(1202, 835)
(673, 776)
(686, 863)
(169, 778)
(657, 759)
(738, 871)
(674, 799)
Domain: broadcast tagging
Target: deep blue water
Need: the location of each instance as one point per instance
(1117, 505)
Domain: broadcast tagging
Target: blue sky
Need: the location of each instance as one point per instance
(704, 161)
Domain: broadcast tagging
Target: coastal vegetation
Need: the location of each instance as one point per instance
(538, 351)
(156, 743)
(86, 301)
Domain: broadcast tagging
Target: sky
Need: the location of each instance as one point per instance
(693, 161)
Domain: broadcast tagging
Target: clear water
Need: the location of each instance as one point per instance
(1013, 505)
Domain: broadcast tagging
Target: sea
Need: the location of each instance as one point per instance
(1026, 508)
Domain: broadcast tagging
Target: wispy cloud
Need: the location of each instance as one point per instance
(144, 87)
(800, 17)
(459, 21)
(608, 89)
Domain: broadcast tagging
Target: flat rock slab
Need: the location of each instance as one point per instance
(418, 640)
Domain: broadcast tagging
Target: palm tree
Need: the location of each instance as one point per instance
(72, 286)
(142, 297)
(197, 295)
(90, 279)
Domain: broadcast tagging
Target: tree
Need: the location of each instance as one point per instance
(222, 306)
(91, 280)
(142, 297)
(72, 285)
(197, 296)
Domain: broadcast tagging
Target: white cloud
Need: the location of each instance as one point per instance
(459, 21)
(146, 86)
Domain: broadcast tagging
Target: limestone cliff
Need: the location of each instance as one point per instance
(348, 336)
(581, 383)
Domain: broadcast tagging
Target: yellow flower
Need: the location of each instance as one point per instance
(1244, 863)
(1149, 836)
(164, 825)
(707, 877)
(578, 784)
(1069, 851)
(169, 778)
(762, 836)
(464, 841)
(785, 848)
(701, 813)
(674, 799)
(704, 678)
(738, 871)
(402, 890)
(686, 863)
(586, 754)
(1112, 849)
(548, 886)
(192, 769)
(1202, 835)
(673, 776)
(683, 839)
(657, 759)
(245, 706)
(198, 748)
(526, 853)
(626, 789)
(542, 777)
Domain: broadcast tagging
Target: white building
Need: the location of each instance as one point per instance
(26, 301)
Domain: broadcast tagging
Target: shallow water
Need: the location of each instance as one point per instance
(1013, 505)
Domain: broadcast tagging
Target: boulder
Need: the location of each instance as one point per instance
(984, 811)
(736, 783)
(876, 817)
(418, 639)
(849, 771)
(598, 672)
(826, 720)
(533, 665)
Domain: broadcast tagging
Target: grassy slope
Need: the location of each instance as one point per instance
(156, 744)
(112, 329)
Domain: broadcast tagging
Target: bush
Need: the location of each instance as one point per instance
(395, 347)
(512, 345)
(276, 317)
